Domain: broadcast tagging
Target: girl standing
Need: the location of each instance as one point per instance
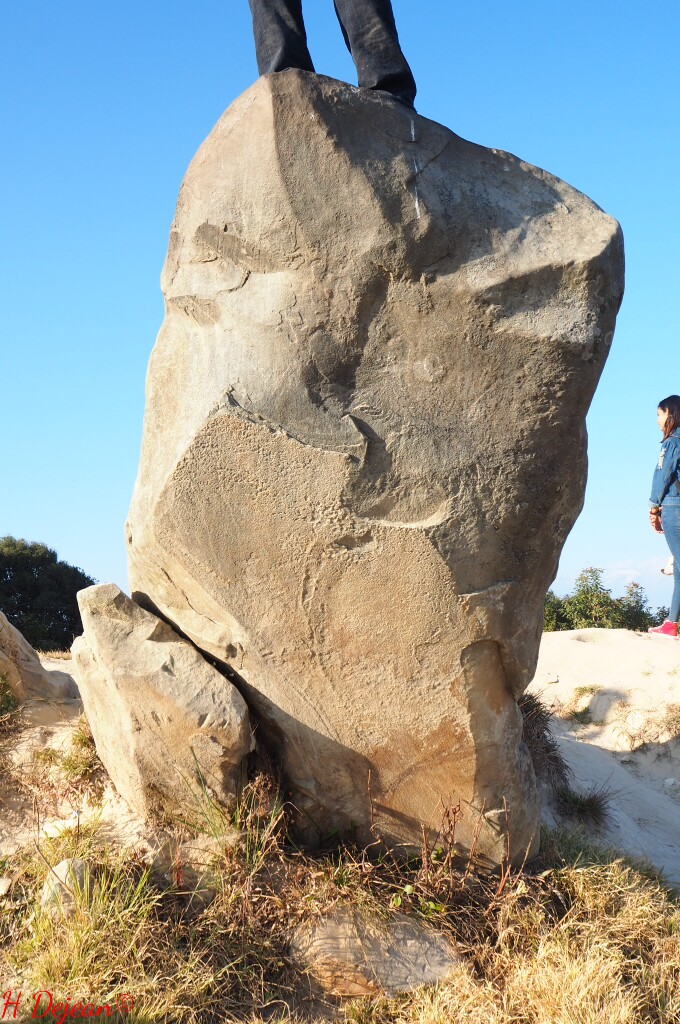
(664, 514)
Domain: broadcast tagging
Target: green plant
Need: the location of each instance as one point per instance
(591, 605)
(585, 691)
(554, 613)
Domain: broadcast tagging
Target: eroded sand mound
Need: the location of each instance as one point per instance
(616, 698)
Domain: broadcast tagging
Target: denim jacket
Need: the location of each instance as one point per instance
(667, 472)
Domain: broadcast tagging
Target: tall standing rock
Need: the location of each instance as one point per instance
(364, 445)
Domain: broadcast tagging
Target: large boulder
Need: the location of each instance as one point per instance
(171, 730)
(364, 446)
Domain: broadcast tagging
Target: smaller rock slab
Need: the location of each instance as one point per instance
(21, 668)
(171, 731)
(348, 955)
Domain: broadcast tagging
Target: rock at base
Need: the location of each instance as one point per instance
(171, 731)
(349, 955)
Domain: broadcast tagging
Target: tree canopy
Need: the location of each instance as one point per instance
(591, 605)
(38, 593)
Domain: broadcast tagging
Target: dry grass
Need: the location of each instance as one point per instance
(9, 705)
(54, 655)
(548, 762)
(580, 936)
(51, 779)
(643, 731)
(54, 775)
(670, 722)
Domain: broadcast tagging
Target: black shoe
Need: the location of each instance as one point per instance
(405, 102)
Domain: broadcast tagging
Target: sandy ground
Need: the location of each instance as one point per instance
(616, 699)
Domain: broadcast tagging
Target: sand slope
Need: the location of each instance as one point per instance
(616, 696)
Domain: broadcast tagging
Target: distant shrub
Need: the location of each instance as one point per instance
(38, 593)
(591, 605)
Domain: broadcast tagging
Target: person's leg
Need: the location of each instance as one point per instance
(280, 37)
(674, 613)
(670, 520)
(371, 37)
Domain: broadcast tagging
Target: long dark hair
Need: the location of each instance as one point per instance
(671, 405)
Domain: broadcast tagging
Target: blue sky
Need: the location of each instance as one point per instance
(104, 104)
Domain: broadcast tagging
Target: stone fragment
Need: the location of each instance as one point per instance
(364, 446)
(350, 955)
(63, 884)
(21, 668)
(194, 866)
(171, 731)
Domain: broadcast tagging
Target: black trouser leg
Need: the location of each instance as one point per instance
(371, 36)
(280, 37)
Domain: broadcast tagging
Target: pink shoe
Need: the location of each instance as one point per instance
(665, 629)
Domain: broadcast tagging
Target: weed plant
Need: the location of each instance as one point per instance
(8, 702)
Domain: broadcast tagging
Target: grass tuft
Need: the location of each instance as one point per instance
(81, 763)
(585, 691)
(587, 808)
(583, 716)
(549, 765)
(670, 721)
(590, 808)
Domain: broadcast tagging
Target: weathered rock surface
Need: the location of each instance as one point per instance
(25, 675)
(364, 445)
(169, 728)
(349, 955)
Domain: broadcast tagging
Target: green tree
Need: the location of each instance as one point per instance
(554, 617)
(635, 610)
(38, 593)
(591, 605)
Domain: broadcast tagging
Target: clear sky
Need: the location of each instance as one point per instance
(104, 104)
